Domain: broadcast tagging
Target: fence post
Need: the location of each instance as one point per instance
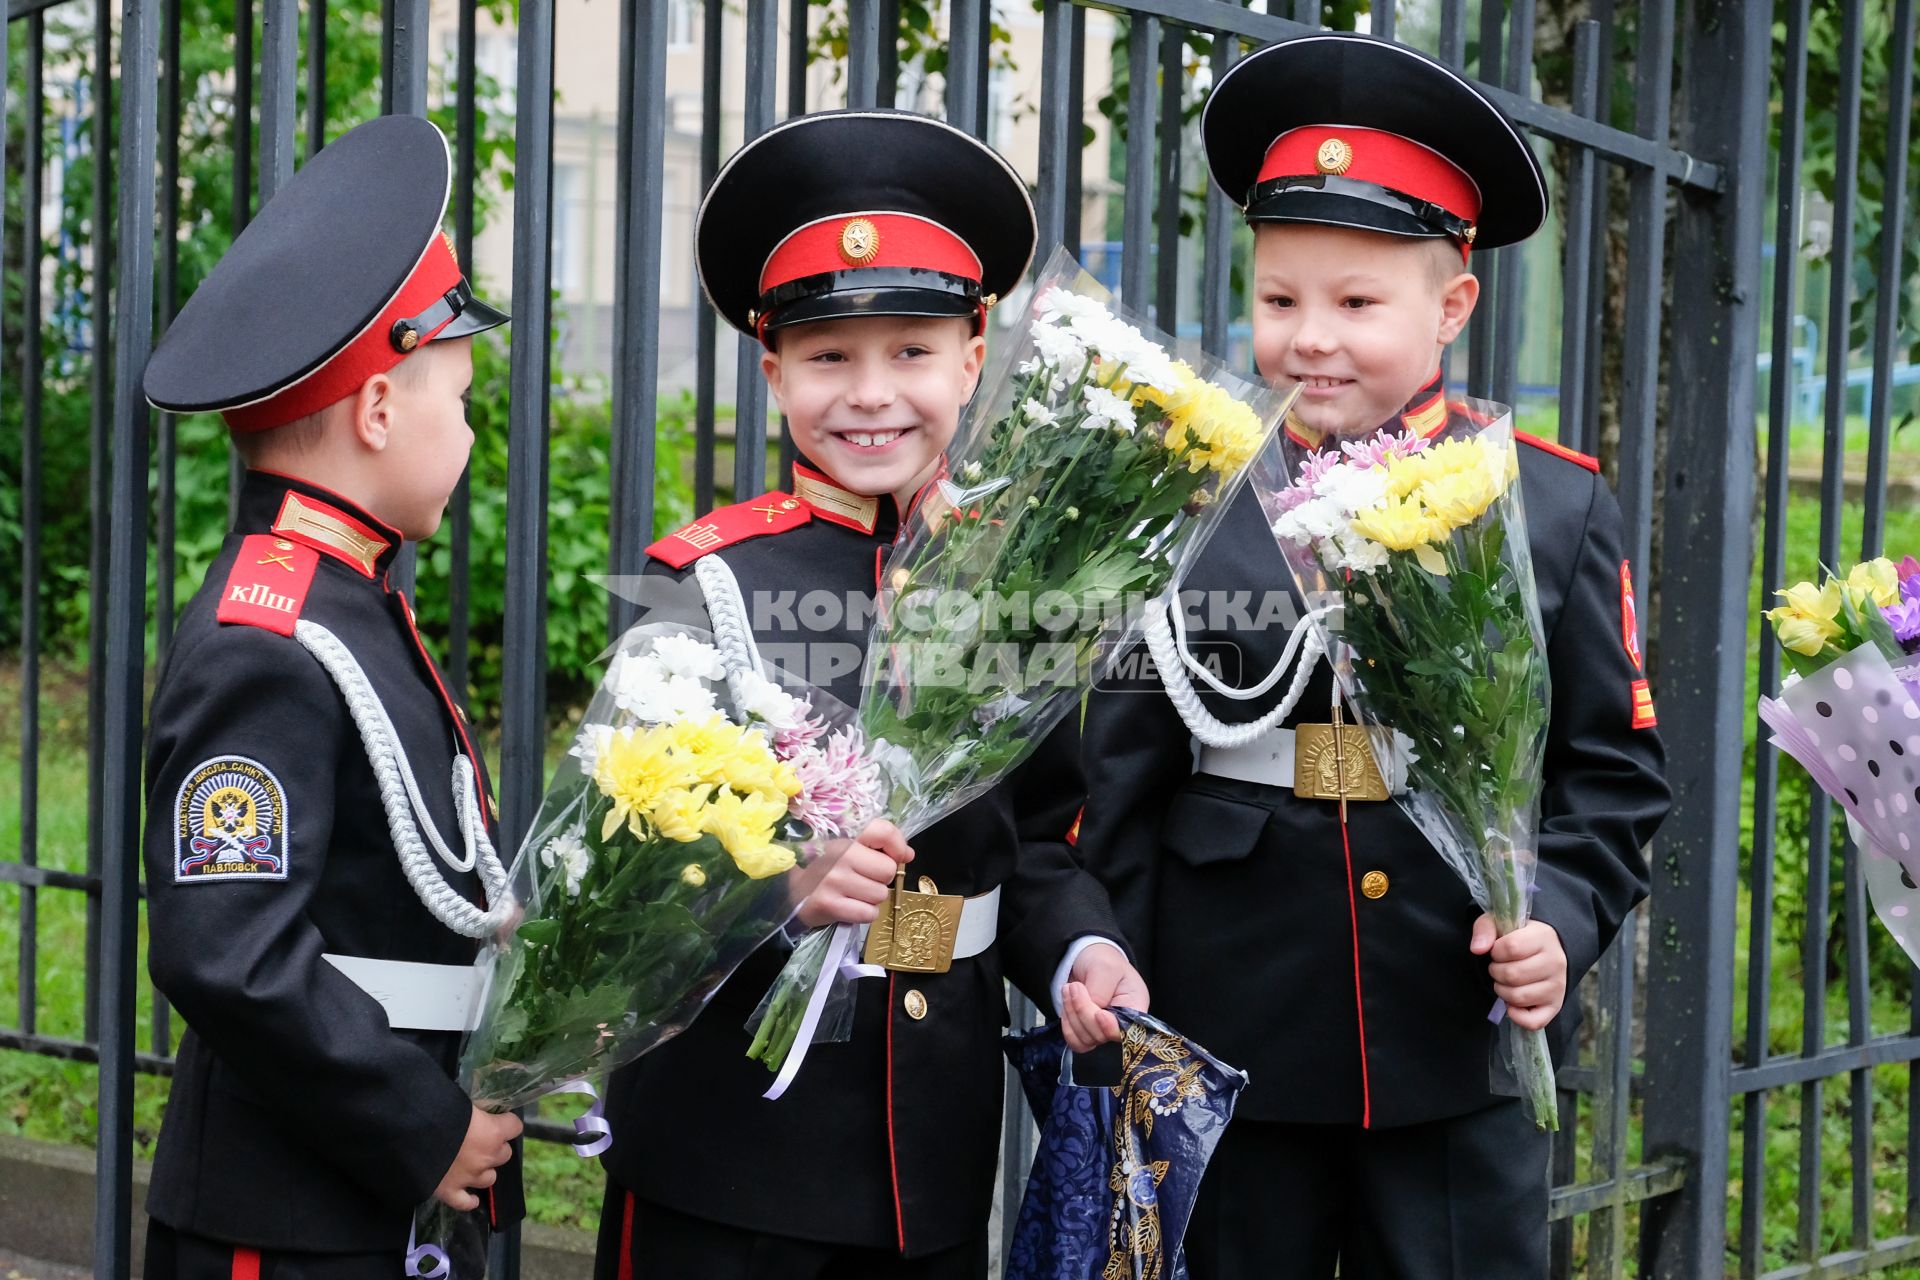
(1722, 118)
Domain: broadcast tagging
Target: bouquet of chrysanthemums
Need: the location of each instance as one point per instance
(702, 800)
(1849, 712)
(1089, 471)
(1421, 543)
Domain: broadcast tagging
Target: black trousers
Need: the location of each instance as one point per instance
(177, 1255)
(643, 1241)
(1457, 1199)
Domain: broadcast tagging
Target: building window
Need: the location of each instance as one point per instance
(572, 224)
(682, 23)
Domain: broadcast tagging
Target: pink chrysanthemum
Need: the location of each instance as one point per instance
(1378, 451)
(1313, 468)
(839, 785)
(788, 743)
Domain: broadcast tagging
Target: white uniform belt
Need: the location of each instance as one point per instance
(1269, 759)
(416, 996)
(979, 924)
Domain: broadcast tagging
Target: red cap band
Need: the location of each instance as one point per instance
(370, 352)
(852, 241)
(1370, 155)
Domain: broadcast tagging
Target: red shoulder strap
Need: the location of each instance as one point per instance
(1561, 451)
(768, 513)
(268, 584)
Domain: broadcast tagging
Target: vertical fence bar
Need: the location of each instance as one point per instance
(166, 459)
(1056, 76)
(1453, 33)
(279, 85)
(466, 115)
(317, 78)
(636, 316)
(1384, 19)
(242, 115)
(863, 52)
(100, 478)
(1603, 17)
(1216, 272)
(1612, 1099)
(1512, 273)
(964, 108)
(1307, 12)
(706, 331)
(1893, 223)
(126, 645)
(1708, 501)
(1646, 251)
(887, 90)
(30, 252)
(1486, 266)
(1173, 49)
(750, 392)
(1076, 126)
(1136, 204)
(403, 63)
(1577, 425)
(1773, 552)
(796, 105)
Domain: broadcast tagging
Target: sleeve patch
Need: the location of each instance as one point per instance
(1629, 618)
(1643, 717)
(230, 823)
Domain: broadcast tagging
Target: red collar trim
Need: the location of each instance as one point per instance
(834, 503)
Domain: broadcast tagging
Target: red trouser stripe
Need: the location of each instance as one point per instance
(626, 1239)
(246, 1264)
(893, 1156)
(1359, 1005)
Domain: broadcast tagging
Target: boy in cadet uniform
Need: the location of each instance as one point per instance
(1340, 961)
(863, 249)
(318, 856)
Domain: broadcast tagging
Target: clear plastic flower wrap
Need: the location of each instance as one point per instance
(1412, 555)
(1089, 470)
(700, 802)
(1849, 712)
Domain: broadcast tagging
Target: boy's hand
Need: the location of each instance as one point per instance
(484, 1151)
(1529, 970)
(1101, 978)
(853, 889)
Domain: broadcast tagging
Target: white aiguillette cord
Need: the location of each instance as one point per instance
(727, 610)
(1168, 645)
(406, 810)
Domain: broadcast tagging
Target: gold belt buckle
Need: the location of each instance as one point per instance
(915, 932)
(1335, 762)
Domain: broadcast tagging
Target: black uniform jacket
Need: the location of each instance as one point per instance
(890, 1139)
(298, 1120)
(1257, 930)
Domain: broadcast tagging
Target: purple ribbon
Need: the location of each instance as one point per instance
(1498, 1013)
(428, 1261)
(596, 1135)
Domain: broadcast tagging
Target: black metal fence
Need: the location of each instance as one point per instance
(1660, 147)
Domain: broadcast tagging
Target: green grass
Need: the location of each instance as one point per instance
(54, 1100)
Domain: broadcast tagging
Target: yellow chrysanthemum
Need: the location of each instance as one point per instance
(1875, 580)
(1457, 498)
(1404, 475)
(1399, 524)
(744, 827)
(677, 815)
(1806, 622)
(635, 769)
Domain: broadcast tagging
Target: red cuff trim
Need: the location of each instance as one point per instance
(1643, 717)
(246, 1264)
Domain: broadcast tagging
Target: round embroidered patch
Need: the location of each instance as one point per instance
(230, 823)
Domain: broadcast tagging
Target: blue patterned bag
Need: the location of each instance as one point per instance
(1114, 1179)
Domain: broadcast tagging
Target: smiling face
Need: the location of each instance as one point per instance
(874, 400)
(1357, 318)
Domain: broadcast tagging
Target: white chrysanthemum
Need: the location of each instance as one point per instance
(689, 658)
(569, 852)
(1061, 349)
(631, 675)
(1312, 521)
(1039, 414)
(762, 699)
(1362, 555)
(1106, 409)
(1353, 488)
(1058, 304)
(589, 743)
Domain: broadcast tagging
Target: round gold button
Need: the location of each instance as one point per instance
(1374, 884)
(916, 1005)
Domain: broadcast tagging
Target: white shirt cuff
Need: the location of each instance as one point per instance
(1065, 969)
